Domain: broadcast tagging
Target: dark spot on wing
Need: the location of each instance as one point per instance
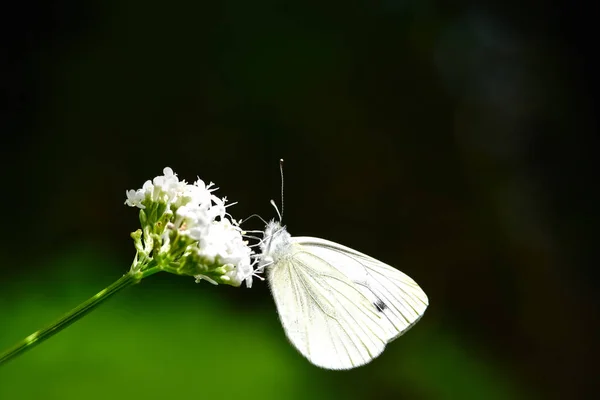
(380, 305)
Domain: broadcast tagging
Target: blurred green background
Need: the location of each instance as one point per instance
(453, 140)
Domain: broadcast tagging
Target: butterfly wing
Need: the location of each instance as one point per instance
(335, 304)
(394, 294)
(323, 313)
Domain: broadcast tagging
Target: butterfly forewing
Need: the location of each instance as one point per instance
(392, 293)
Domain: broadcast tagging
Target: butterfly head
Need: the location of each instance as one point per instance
(275, 243)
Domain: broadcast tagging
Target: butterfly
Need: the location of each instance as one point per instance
(338, 307)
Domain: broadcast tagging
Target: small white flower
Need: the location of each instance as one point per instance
(224, 242)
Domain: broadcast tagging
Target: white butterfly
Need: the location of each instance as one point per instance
(338, 307)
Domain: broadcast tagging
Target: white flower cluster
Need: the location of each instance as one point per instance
(178, 212)
(170, 190)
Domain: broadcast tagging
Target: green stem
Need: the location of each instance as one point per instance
(38, 337)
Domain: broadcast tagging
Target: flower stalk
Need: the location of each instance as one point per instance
(75, 314)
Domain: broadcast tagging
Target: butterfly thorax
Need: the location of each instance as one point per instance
(275, 244)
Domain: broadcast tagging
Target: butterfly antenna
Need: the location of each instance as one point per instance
(254, 216)
(281, 170)
(279, 214)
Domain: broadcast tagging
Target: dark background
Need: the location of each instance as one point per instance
(453, 140)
